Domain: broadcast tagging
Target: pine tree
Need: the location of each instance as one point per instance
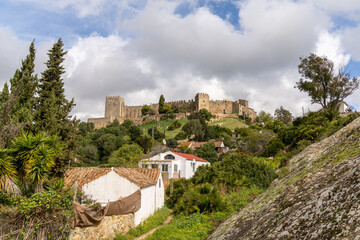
(53, 109)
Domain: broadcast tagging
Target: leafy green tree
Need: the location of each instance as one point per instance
(323, 83)
(283, 115)
(4, 96)
(106, 144)
(126, 156)
(264, 117)
(194, 126)
(157, 133)
(145, 142)
(203, 115)
(208, 152)
(53, 109)
(85, 128)
(134, 132)
(273, 146)
(161, 104)
(7, 171)
(172, 143)
(145, 110)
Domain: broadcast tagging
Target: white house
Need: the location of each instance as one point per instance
(110, 184)
(176, 165)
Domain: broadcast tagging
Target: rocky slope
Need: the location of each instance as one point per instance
(319, 197)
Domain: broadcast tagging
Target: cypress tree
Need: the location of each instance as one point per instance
(161, 104)
(53, 109)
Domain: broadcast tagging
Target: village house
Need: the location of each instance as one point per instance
(106, 185)
(194, 146)
(174, 164)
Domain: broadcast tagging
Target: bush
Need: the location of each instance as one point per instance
(172, 143)
(272, 147)
(174, 125)
(202, 198)
(180, 136)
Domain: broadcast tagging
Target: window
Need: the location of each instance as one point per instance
(164, 167)
(154, 165)
(193, 166)
(160, 183)
(175, 168)
(169, 156)
(144, 166)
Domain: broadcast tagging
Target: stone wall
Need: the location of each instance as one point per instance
(107, 228)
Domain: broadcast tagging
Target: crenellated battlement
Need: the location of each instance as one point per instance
(115, 108)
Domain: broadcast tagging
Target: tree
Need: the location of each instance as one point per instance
(53, 109)
(283, 115)
(7, 173)
(126, 156)
(208, 152)
(194, 127)
(161, 104)
(325, 85)
(145, 110)
(264, 117)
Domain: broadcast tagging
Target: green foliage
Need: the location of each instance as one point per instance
(145, 110)
(126, 156)
(273, 146)
(52, 109)
(161, 104)
(326, 86)
(172, 143)
(157, 133)
(203, 198)
(134, 132)
(30, 212)
(236, 171)
(274, 125)
(252, 140)
(283, 115)
(194, 127)
(107, 143)
(145, 142)
(264, 117)
(193, 227)
(150, 223)
(34, 157)
(216, 132)
(174, 125)
(203, 115)
(208, 152)
(85, 128)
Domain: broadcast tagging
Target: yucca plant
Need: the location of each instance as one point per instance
(7, 173)
(34, 156)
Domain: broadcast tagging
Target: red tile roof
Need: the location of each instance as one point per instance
(190, 156)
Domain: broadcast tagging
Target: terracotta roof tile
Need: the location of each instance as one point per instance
(190, 157)
(84, 175)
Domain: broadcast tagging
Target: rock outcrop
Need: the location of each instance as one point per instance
(319, 197)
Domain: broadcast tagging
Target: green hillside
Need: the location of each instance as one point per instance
(161, 125)
(229, 122)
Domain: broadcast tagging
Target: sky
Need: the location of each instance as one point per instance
(138, 49)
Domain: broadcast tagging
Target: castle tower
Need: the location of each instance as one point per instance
(244, 103)
(202, 101)
(114, 106)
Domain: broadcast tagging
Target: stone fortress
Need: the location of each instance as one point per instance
(115, 108)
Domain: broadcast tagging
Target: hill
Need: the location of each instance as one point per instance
(229, 122)
(318, 197)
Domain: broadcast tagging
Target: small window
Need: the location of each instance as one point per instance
(154, 165)
(169, 156)
(144, 166)
(175, 168)
(164, 167)
(160, 183)
(193, 166)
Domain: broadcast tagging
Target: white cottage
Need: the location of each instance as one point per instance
(174, 164)
(110, 184)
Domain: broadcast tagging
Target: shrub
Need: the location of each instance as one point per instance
(181, 135)
(174, 125)
(273, 146)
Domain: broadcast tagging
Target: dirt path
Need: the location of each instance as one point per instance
(142, 237)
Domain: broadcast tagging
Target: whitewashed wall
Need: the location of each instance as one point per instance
(109, 187)
(148, 202)
(160, 193)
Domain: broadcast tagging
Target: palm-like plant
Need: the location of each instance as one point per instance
(34, 156)
(7, 173)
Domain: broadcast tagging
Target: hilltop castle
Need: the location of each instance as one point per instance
(115, 108)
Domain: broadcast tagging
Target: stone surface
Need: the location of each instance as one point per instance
(318, 199)
(107, 228)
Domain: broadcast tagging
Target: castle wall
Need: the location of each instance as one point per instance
(115, 108)
(221, 107)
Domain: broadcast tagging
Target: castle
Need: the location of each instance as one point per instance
(115, 108)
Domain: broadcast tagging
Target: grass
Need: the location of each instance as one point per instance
(152, 222)
(229, 122)
(199, 226)
(161, 124)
